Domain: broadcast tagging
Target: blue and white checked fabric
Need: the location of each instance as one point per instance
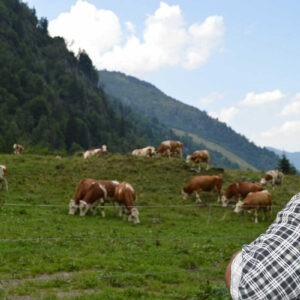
(271, 263)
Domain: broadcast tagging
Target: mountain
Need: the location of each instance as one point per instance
(150, 101)
(49, 97)
(293, 157)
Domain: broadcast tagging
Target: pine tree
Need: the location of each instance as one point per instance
(285, 166)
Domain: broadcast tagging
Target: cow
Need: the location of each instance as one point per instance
(198, 157)
(205, 183)
(275, 177)
(82, 189)
(238, 190)
(95, 193)
(3, 175)
(148, 151)
(170, 148)
(125, 196)
(256, 201)
(95, 152)
(18, 149)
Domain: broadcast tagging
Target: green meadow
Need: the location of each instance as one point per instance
(179, 251)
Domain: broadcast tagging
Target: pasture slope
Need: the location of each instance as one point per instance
(179, 251)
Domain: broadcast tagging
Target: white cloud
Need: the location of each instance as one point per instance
(211, 98)
(204, 38)
(290, 128)
(226, 115)
(165, 41)
(292, 108)
(253, 99)
(85, 27)
(284, 137)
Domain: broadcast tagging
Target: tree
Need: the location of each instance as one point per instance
(285, 166)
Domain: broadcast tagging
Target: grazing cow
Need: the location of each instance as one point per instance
(125, 196)
(95, 152)
(198, 157)
(82, 189)
(95, 193)
(275, 177)
(256, 201)
(205, 183)
(238, 190)
(3, 174)
(148, 151)
(170, 148)
(18, 149)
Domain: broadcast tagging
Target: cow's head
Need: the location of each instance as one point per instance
(224, 201)
(83, 206)
(238, 207)
(72, 207)
(184, 194)
(134, 216)
(188, 159)
(263, 181)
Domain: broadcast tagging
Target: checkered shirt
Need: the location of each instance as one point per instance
(271, 263)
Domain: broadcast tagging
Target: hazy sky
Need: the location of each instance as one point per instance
(237, 60)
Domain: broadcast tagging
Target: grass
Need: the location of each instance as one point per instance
(179, 251)
(210, 145)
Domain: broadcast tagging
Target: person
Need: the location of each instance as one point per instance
(269, 267)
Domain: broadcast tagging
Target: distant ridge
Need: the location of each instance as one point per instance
(150, 101)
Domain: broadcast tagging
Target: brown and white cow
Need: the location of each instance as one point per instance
(3, 175)
(199, 157)
(238, 190)
(205, 183)
(256, 201)
(95, 152)
(170, 148)
(275, 177)
(18, 149)
(82, 189)
(148, 151)
(96, 193)
(125, 196)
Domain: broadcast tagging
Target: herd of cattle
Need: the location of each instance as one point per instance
(90, 192)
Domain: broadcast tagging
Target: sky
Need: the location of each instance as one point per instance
(237, 60)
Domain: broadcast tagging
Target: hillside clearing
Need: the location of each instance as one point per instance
(179, 251)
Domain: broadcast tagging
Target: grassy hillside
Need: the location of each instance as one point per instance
(214, 147)
(150, 101)
(179, 251)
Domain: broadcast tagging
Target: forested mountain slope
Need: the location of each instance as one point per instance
(49, 97)
(150, 101)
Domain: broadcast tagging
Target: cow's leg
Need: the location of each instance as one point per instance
(102, 207)
(124, 213)
(199, 167)
(94, 208)
(84, 207)
(6, 184)
(117, 209)
(255, 216)
(198, 200)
